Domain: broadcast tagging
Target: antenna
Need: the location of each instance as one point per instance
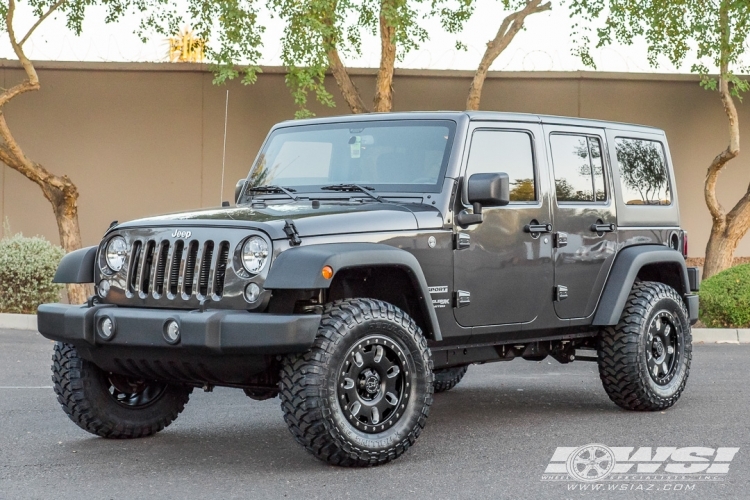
(224, 152)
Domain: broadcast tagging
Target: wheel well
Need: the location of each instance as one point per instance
(394, 285)
(669, 273)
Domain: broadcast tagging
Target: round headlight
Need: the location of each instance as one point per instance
(115, 253)
(254, 254)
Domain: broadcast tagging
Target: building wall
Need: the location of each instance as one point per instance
(144, 139)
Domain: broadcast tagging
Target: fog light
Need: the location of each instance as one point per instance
(103, 288)
(106, 328)
(252, 292)
(172, 331)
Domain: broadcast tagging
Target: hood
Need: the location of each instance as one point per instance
(331, 217)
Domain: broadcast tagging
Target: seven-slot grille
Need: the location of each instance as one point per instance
(177, 269)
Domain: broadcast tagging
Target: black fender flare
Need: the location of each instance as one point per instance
(299, 268)
(77, 267)
(629, 262)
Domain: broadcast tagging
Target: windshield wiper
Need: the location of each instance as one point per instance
(354, 187)
(274, 189)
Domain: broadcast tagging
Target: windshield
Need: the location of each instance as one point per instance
(406, 155)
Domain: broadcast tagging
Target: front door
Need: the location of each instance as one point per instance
(503, 268)
(583, 217)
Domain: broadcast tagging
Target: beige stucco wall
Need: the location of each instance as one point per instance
(143, 139)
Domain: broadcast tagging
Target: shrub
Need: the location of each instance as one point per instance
(27, 266)
(725, 298)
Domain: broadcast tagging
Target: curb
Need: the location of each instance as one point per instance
(700, 335)
(18, 321)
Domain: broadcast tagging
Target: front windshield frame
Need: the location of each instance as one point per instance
(380, 188)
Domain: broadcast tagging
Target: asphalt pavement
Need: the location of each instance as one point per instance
(493, 436)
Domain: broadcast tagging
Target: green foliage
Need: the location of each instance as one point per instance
(713, 31)
(229, 27)
(27, 266)
(725, 298)
(315, 27)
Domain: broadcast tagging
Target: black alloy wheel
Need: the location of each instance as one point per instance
(664, 348)
(133, 393)
(372, 384)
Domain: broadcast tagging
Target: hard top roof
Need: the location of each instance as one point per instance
(474, 116)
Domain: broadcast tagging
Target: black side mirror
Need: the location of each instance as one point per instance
(489, 190)
(238, 189)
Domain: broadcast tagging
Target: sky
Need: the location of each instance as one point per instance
(545, 45)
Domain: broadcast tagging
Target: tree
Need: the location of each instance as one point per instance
(59, 190)
(238, 37)
(317, 32)
(714, 33)
(509, 28)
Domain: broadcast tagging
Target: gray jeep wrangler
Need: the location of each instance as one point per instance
(369, 260)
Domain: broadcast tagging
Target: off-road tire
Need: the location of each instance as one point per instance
(447, 378)
(622, 350)
(82, 390)
(310, 385)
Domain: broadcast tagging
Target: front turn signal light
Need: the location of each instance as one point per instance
(327, 272)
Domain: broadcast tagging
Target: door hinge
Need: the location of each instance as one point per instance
(561, 293)
(462, 240)
(291, 232)
(561, 239)
(463, 298)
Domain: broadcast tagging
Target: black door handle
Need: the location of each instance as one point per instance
(535, 229)
(603, 228)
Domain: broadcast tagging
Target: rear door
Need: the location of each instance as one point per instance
(584, 217)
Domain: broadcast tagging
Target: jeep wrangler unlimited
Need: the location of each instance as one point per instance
(369, 260)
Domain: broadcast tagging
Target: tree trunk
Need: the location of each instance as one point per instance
(383, 101)
(348, 90)
(727, 229)
(509, 28)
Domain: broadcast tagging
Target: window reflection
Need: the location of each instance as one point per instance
(579, 168)
(643, 173)
(505, 151)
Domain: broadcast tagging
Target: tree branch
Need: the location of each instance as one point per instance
(39, 21)
(32, 81)
(509, 28)
(348, 90)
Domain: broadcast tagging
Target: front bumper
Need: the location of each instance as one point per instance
(210, 332)
(219, 347)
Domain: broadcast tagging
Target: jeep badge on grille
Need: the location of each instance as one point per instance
(181, 234)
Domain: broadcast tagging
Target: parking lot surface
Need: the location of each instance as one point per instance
(493, 436)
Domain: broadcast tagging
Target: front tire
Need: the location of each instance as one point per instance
(112, 406)
(362, 394)
(644, 361)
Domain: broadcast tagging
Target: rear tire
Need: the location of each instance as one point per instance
(448, 378)
(644, 361)
(112, 406)
(361, 395)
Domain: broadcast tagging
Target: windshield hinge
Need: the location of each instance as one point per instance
(291, 231)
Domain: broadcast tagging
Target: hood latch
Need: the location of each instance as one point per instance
(291, 231)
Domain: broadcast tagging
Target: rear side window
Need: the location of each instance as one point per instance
(579, 170)
(644, 179)
(505, 151)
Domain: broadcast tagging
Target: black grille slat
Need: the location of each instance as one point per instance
(161, 267)
(135, 261)
(190, 267)
(221, 268)
(148, 260)
(174, 272)
(208, 253)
